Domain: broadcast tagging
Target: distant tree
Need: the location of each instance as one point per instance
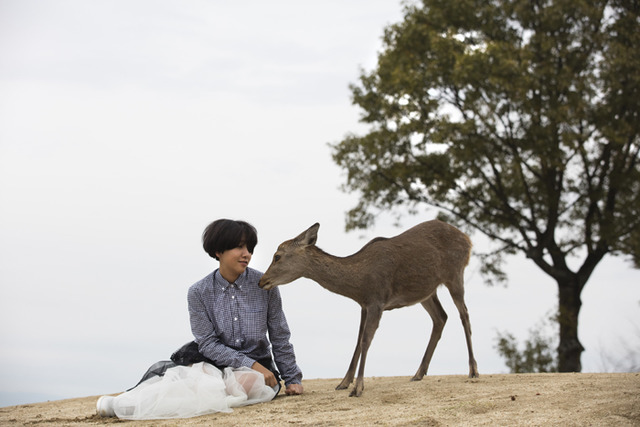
(518, 119)
(538, 354)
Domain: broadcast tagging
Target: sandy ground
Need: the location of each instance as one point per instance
(508, 400)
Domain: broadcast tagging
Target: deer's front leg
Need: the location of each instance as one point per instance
(348, 378)
(371, 325)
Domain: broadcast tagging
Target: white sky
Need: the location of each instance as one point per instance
(127, 126)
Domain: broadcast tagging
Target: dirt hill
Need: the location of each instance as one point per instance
(509, 400)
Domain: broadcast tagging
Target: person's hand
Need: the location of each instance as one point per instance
(269, 378)
(293, 389)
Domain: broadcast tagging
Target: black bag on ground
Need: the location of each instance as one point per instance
(188, 354)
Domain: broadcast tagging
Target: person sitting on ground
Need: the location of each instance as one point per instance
(237, 327)
(235, 322)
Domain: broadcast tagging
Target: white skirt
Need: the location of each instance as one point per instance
(190, 391)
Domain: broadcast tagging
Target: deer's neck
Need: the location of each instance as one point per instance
(336, 274)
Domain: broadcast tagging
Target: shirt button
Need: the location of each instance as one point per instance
(233, 297)
(235, 318)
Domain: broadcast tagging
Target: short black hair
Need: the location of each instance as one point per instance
(224, 234)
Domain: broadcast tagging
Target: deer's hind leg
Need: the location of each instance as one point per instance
(348, 378)
(457, 294)
(439, 318)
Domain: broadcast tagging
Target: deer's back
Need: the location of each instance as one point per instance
(428, 241)
(421, 258)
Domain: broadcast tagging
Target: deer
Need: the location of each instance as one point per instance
(385, 274)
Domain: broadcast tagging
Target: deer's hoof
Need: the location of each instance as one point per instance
(417, 378)
(344, 384)
(473, 373)
(355, 393)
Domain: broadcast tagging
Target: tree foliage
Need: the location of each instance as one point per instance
(537, 354)
(518, 119)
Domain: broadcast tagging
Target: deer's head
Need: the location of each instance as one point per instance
(290, 260)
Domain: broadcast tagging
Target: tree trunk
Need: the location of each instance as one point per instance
(569, 349)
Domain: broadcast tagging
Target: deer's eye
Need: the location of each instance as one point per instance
(276, 258)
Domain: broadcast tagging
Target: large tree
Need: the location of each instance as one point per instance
(518, 119)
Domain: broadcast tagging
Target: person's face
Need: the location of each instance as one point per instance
(233, 262)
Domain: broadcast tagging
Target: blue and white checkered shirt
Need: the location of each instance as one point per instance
(230, 323)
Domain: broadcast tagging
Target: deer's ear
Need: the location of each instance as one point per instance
(308, 237)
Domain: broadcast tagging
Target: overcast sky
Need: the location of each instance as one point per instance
(127, 126)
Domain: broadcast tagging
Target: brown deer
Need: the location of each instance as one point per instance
(386, 273)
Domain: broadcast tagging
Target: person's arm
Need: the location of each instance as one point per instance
(294, 389)
(279, 335)
(269, 377)
(208, 341)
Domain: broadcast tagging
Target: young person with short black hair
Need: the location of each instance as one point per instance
(239, 329)
(236, 323)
